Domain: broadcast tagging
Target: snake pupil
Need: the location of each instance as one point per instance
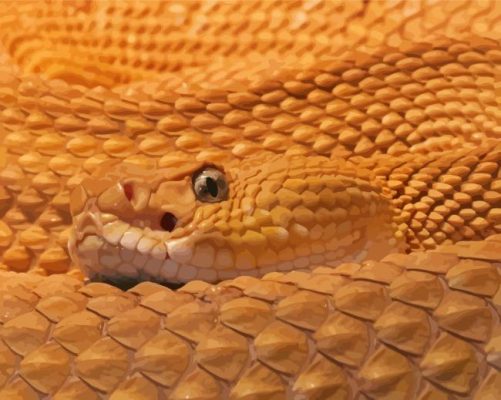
(168, 222)
(212, 187)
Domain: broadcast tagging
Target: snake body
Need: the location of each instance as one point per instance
(355, 251)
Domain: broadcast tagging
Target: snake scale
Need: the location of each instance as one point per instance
(322, 176)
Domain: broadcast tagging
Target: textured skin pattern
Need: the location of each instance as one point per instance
(419, 326)
(286, 214)
(392, 101)
(410, 128)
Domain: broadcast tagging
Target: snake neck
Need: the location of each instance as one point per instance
(441, 197)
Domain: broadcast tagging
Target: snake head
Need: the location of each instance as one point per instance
(132, 222)
(214, 222)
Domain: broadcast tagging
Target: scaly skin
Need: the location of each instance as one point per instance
(330, 156)
(419, 326)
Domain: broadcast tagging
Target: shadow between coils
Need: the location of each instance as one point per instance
(129, 283)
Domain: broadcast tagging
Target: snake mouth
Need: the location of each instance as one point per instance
(108, 249)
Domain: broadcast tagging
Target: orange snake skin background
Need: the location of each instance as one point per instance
(250, 200)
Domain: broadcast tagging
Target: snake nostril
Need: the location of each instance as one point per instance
(168, 222)
(128, 191)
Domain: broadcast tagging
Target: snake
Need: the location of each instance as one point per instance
(250, 200)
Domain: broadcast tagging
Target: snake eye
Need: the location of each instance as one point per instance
(210, 185)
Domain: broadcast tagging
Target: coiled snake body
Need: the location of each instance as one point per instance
(324, 175)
